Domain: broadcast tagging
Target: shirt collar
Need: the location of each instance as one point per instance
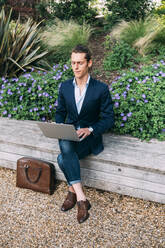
(87, 83)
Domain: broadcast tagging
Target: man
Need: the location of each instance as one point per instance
(86, 103)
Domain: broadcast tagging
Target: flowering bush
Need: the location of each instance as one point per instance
(32, 96)
(139, 102)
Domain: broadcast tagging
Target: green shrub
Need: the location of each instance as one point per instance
(19, 45)
(139, 102)
(61, 38)
(32, 96)
(78, 10)
(144, 35)
(127, 10)
(121, 56)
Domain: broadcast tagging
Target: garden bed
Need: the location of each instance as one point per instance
(126, 166)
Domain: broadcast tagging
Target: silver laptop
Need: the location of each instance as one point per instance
(59, 131)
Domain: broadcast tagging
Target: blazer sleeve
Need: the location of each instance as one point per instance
(106, 117)
(61, 112)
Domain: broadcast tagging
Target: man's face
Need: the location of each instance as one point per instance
(80, 66)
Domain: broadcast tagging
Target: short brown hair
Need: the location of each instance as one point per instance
(83, 49)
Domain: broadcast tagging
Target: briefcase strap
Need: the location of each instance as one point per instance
(27, 176)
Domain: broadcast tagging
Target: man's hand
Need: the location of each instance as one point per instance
(83, 132)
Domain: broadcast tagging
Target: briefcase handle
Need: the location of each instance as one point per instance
(27, 176)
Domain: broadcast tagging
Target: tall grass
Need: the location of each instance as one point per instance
(64, 35)
(142, 35)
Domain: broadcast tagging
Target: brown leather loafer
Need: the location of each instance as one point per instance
(83, 207)
(69, 202)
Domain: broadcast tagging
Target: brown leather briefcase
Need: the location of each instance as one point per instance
(35, 174)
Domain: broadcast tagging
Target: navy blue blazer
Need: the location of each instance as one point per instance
(96, 112)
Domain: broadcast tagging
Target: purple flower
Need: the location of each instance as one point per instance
(56, 103)
(145, 101)
(143, 95)
(116, 104)
(14, 79)
(29, 90)
(124, 118)
(130, 80)
(43, 119)
(122, 114)
(9, 115)
(163, 130)
(39, 87)
(28, 75)
(129, 114)
(132, 99)
(50, 106)
(66, 67)
(15, 109)
(20, 98)
(141, 129)
(117, 96)
(43, 108)
(122, 124)
(30, 110)
(4, 112)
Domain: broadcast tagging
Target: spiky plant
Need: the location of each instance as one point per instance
(19, 46)
(143, 35)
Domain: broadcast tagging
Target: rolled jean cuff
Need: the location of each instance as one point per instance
(73, 182)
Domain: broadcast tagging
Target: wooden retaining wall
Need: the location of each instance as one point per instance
(126, 166)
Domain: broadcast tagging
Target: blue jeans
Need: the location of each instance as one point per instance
(68, 159)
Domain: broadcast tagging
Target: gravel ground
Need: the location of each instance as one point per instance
(30, 219)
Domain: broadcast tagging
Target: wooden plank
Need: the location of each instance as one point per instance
(118, 149)
(110, 167)
(118, 179)
(124, 190)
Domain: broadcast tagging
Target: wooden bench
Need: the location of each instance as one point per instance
(126, 166)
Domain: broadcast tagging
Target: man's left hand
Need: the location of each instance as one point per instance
(83, 132)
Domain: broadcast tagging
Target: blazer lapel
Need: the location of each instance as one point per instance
(72, 97)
